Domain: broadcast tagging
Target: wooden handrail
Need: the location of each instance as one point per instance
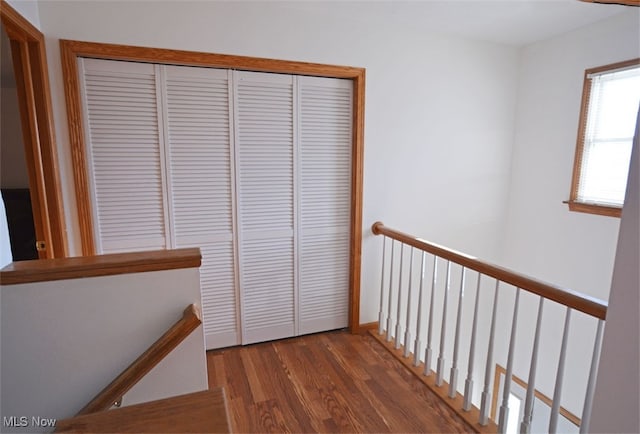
(575, 300)
(146, 362)
(45, 270)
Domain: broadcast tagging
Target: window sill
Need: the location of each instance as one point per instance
(591, 208)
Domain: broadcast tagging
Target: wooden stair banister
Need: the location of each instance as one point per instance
(104, 400)
(589, 305)
(393, 316)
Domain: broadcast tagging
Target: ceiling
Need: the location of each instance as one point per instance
(512, 22)
(515, 22)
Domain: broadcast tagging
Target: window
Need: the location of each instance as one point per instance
(610, 100)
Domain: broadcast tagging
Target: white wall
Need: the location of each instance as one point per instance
(439, 109)
(619, 371)
(28, 9)
(64, 341)
(543, 238)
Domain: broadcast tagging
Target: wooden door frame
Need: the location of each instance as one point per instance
(36, 116)
(70, 51)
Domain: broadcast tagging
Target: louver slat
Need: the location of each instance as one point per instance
(199, 159)
(325, 202)
(123, 145)
(264, 150)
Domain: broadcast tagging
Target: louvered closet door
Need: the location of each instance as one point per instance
(264, 164)
(325, 138)
(125, 163)
(198, 136)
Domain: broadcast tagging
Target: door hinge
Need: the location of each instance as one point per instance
(41, 246)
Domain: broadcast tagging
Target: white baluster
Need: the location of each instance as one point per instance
(468, 384)
(443, 329)
(486, 392)
(407, 328)
(453, 378)
(591, 385)
(381, 317)
(398, 321)
(504, 408)
(525, 425)
(557, 392)
(418, 343)
(389, 308)
(428, 351)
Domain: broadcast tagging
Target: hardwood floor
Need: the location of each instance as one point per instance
(328, 382)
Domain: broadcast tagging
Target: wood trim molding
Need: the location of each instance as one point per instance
(36, 114)
(591, 208)
(615, 2)
(93, 266)
(70, 51)
(18, 27)
(573, 202)
(366, 327)
(195, 58)
(582, 127)
(500, 370)
(29, 127)
(146, 362)
(357, 170)
(575, 300)
(78, 154)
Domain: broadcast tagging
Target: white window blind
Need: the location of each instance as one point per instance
(612, 111)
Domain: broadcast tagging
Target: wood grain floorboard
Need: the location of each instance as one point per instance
(328, 382)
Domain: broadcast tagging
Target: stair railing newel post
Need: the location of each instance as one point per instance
(591, 384)
(557, 391)
(428, 352)
(453, 378)
(390, 304)
(485, 399)
(407, 328)
(381, 318)
(504, 408)
(399, 313)
(443, 329)
(418, 342)
(468, 384)
(525, 425)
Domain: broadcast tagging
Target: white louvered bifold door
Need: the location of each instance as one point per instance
(325, 138)
(125, 162)
(264, 166)
(252, 168)
(198, 135)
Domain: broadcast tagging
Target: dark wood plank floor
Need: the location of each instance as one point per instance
(329, 382)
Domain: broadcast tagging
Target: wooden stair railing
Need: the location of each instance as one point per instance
(401, 291)
(146, 362)
(575, 300)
